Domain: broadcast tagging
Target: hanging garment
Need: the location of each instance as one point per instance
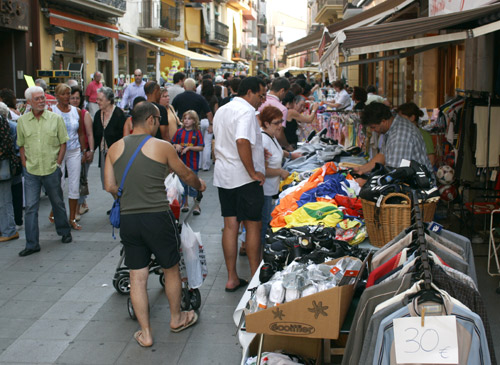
(482, 140)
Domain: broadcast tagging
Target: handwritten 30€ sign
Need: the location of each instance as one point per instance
(434, 343)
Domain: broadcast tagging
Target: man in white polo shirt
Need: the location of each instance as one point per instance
(239, 175)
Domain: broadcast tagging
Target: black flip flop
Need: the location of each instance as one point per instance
(243, 283)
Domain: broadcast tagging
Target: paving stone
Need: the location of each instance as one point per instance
(7, 291)
(42, 293)
(34, 351)
(12, 328)
(88, 294)
(218, 314)
(55, 329)
(72, 310)
(209, 332)
(108, 330)
(159, 353)
(24, 309)
(210, 353)
(14, 277)
(57, 279)
(92, 352)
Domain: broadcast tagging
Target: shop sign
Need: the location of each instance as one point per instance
(440, 7)
(14, 14)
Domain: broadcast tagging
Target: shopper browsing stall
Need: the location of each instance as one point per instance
(239, 175)
(413, 113)
(402, 140)
(270, 121)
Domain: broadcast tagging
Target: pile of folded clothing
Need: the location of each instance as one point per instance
(325, 196)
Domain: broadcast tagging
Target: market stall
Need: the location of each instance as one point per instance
(330, 239)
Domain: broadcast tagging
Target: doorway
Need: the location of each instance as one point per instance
(106, 67)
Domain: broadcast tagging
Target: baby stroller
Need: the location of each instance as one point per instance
(190, 299)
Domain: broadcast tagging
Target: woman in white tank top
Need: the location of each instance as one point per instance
(73, 158)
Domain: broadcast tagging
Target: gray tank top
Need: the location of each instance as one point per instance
(144, 189)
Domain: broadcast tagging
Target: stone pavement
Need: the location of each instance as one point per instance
(59, 306)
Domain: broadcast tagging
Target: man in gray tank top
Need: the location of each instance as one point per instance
(147, 224)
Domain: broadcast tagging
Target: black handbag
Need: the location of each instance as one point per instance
(84, 184)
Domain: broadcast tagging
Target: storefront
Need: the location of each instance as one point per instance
(424, 59)
(17, 45)
(70, 39)
(163, 58)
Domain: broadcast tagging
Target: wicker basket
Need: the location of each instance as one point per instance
(428, 210)
(387, 221)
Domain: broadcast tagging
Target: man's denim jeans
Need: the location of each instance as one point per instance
(32, 188)
(7, 224)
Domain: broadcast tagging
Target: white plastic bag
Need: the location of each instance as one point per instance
(174, 188)
(194, 256)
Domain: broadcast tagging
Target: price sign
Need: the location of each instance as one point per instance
(434, 343)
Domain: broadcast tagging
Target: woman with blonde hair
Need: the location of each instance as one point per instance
(73, 159)
(173, 120)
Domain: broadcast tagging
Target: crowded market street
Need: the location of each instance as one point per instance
(59, 306)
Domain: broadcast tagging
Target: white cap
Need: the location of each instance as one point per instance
(219, 79)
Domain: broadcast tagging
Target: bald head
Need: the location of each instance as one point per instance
(189, 84)
(138, 76)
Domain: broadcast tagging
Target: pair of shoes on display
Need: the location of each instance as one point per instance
(15, 236)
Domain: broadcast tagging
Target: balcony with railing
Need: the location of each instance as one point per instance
(160, 19)
(219, 33)
(250, 13)
(329, 11)
(100, 8)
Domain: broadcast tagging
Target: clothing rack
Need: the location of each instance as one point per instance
(421, 243)
(328, 119)
(489, 96)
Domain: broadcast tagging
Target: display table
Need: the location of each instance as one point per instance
(245, 338)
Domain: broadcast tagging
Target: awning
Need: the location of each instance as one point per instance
(196, 59)
(400, 35)
(222, 59)
(368, 16)
(298, 70)
(82, 24)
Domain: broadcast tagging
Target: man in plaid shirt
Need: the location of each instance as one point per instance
(402, 140)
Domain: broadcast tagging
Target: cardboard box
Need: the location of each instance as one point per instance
(320, 315)
(309, 348)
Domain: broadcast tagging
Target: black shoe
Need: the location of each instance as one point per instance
(28, 251)
(67, 238)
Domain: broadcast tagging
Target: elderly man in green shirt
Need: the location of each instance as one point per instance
(41, 137)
